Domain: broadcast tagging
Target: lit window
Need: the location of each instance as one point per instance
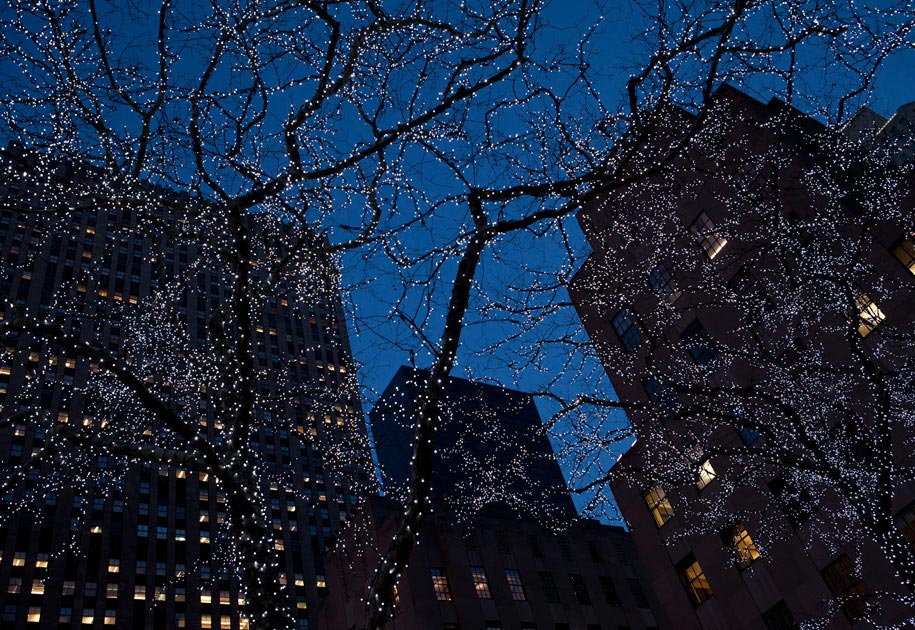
(480, 584)
(440, 584)
(745, 551)
(712, 242)
(34, 615)
(625, 329)
(855, 593)
(657, 502)
(904, 251)
(697, 586)
(515, 585)
(869, 314)
(704, 470)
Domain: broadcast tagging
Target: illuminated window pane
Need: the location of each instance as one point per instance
(744, 548)
(704, 470)
(657, 502)
(712, 242)
(440, 584)
(480, 584)
(869, 314)
(904, 251)
(697, 586)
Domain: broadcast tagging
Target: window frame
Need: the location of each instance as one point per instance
(626, 330)
(856, 595)
(712, 242)
(480, 582)
(440, 586)
(692, 574)
(659, 505)
(515, 585)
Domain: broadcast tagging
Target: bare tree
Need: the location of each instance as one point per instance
(763, 337)
(411, 144)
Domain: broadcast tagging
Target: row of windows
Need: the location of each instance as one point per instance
(840, 575)
(442, 590)
(661, 281)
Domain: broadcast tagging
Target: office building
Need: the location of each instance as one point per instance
(94, 540)
(482, 428)
(744, 301)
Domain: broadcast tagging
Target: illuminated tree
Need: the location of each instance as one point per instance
(411, 145)
(756, 302)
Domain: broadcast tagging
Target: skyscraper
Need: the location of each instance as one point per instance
(94, 538)
(503, 548)
(752, 303)
(491, 446)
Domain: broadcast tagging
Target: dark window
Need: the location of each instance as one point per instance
(515, 585)
(660, 394)
(549, 587)
(625, 329)
(638, 594)
(748, 435)
(578, 587)
(779, 618)
(661, 281)
(693, 577)
(698, 343)
(905, 521)
(795, 502)
(606, 585)
(493, 625)
(856, 595)
(904, 251)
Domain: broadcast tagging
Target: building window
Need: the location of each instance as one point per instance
(549, 587)
(795, 502)
(698, 343)
(869, 314)
(659, 394)
(661, 281)
(440, 584)
(748, 435)
(712, 242)
(905, 521)
(638, 593)
(855, 593)
(657, 502)
(779, 618)
(607, 586)
(578, 587)
(625, 329)
(705, 472)
(745, 551)
(904, 251)
(480, 584)
(697, 586)
(515, 585)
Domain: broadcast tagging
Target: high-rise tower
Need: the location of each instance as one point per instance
(95, 535)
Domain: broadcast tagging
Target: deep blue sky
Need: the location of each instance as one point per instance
(616, 51)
